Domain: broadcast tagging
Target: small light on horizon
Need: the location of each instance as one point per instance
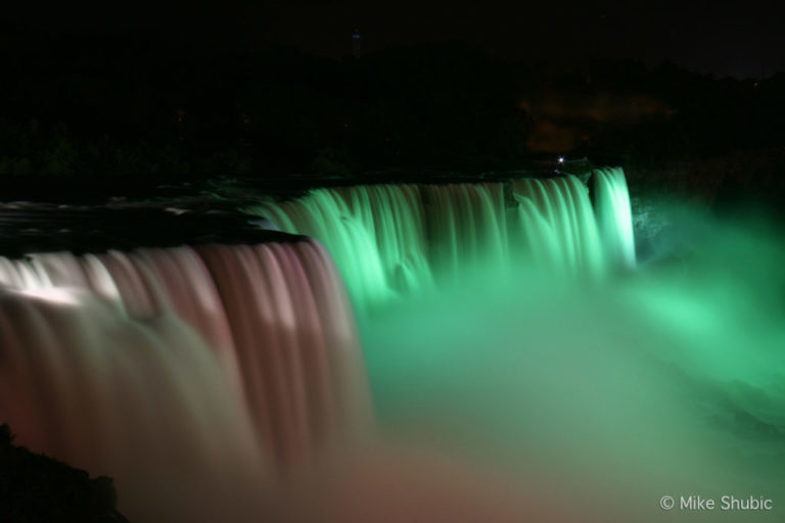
(357, 43)
(561, 159)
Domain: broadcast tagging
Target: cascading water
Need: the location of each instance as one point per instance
(374, 234)
(391, 238)
(205, 378)
(614, 215)
(466, 226)
(557, 224)
(180, 364)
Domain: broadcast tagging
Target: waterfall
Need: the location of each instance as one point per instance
(181, 363)
(227, 383)
(388, 239)
(216, 371)
(557, 225)
(374, 234)
(467, 227)
(614, 215)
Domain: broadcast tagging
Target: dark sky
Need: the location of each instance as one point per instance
(724, 37)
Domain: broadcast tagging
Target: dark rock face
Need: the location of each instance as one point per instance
(35, 488)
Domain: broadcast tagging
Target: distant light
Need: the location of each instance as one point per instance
(561, 159)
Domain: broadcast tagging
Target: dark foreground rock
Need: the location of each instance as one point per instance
(35, 488)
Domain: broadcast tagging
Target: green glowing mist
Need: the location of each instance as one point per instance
(663, 380)
(666, 381)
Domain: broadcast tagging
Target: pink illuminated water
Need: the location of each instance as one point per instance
(208, 372)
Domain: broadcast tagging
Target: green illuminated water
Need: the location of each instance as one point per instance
(614, 215)
(393, 240)
(668, 379)
(374, 234)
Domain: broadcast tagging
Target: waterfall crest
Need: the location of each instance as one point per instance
(387, 239)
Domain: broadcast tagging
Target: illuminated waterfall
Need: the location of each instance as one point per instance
(202, 377)
(390, 238)
(614, 215)
(180, 364)
(557, 224)
(467, 227)
(374, 235)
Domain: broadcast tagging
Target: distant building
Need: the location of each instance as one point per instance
(357, 43)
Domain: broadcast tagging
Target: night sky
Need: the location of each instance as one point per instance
(724, 37)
